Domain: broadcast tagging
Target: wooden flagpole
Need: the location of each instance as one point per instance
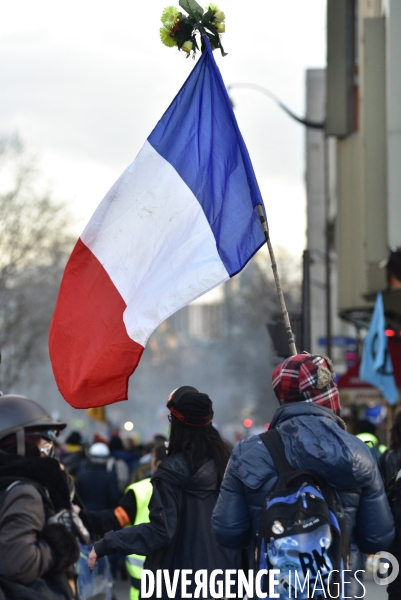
(284, 312)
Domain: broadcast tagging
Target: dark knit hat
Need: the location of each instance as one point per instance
(75, 438)
(190, 407)
(306, 378)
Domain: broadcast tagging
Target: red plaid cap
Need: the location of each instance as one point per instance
(306, 378)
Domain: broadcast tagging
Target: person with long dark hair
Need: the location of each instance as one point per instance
(185, 489)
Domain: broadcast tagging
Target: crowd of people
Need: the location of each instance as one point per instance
(190, 502)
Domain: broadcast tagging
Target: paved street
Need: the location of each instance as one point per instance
(373, 591)
(121, 590)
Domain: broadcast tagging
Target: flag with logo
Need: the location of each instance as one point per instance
(376, 366)
(180, 220)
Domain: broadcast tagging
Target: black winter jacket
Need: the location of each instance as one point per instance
(388, 463)
(179, 534)
(97, 487)
(316, 440)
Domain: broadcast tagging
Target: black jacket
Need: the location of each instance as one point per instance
(179, 534)
(97, 487)
(388, 463)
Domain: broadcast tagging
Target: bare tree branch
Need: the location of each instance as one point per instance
(34, 244)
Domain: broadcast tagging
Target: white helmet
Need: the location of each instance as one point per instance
(99, 453)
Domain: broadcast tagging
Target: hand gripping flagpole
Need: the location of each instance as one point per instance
(284, 311)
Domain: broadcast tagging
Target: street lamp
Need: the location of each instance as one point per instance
(266, 92)
(306, 258)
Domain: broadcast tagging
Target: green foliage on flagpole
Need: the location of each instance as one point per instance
(192, 8)
(180, 30)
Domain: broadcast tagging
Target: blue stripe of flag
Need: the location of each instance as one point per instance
(199, 136)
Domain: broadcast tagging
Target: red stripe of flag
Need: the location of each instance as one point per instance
(90, 309)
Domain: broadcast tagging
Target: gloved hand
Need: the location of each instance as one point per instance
(73, 523)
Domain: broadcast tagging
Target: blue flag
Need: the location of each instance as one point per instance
(376, 366)
(199, 137)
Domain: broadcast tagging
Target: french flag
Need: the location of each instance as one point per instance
(179, 221)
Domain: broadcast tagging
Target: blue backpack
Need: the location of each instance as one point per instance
(302, 531)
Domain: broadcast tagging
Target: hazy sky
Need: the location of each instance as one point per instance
(84, 83)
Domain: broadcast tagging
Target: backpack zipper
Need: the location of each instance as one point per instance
(302, 494)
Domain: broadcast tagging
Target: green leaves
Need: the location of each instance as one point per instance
(192, 8)
(207, 17)
(185, 33)
(182, 29)
(212, 33)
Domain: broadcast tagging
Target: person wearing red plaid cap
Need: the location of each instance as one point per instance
(315, 439)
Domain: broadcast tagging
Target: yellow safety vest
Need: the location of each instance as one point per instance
(143, 491)
(373, 443)
(369, 439)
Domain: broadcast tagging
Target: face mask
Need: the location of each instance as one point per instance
(45, 446)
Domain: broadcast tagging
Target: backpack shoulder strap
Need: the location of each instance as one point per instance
(7, 483)
(273, 442)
